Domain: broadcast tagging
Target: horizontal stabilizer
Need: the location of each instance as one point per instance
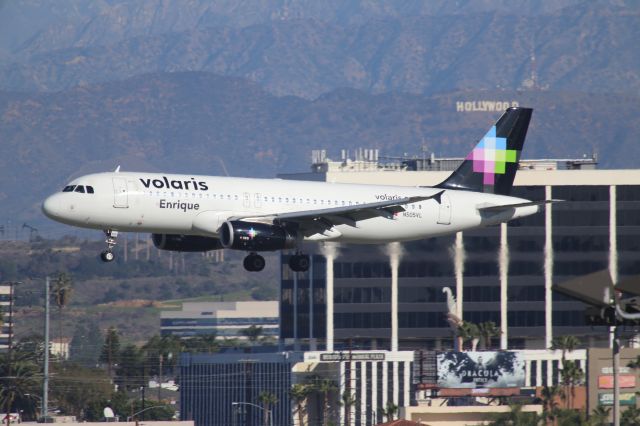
(511, 206)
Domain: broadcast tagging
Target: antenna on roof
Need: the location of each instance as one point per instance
(117, 170)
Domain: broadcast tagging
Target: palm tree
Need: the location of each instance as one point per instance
(549, 403)
(488, 330)
(390, 411)
(572, 374)
(599, 416)
(468, 331)
(268, 400)
(515, 417)
(565, 344)
(21, 384)
(348, 400)
(299, 394)
(325, 387)
(62, 289)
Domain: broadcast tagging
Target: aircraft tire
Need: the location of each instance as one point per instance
(254, 262)
(107, 256)
(299, 263)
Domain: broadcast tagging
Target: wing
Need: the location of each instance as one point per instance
(310, 222)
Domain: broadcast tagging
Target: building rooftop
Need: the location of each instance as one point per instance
(368, 168)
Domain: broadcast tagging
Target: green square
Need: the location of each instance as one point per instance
(500, 155)
(499, 167)
(511, 156)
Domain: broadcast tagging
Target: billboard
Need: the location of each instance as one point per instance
(625, 399)
(480, 369)
(625, 381)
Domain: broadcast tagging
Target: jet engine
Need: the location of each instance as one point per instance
(253, 236)
(190, 243)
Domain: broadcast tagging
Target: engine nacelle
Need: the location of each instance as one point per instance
(253, 236)
(187, 243)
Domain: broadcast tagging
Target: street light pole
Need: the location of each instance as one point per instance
(269, 412)
(45, 381)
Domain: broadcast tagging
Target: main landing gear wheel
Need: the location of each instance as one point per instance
(254, 262)
(299, 263)
(107, 255)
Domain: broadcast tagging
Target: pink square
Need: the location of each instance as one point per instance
(478, 166)
(488, 179)
(489, 166)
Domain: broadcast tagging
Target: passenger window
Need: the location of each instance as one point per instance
(69, 188)
(80, 188)
(89, 189)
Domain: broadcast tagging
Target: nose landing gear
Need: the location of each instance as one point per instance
(254, 262)
(107, 255)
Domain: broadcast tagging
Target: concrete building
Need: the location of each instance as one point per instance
(502, 274)
(224, 389)
(225, 319)
(6, 317)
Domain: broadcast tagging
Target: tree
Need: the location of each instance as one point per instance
(515, 416)
(549, 397)
(468, 331)
(488, 330)
(111, 349)
(268, 400)
(252, 333)
(131, 372)
(348, 400)
(299, 394)
(565, 344)
(630, 417)
(390, 411)
(599, 416)
(82, 391)
(18, 387)
(86, 345)
(571, 376)
(325, 387)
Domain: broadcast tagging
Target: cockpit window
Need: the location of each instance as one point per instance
(69, 188)
(89, 189)
(80, 188)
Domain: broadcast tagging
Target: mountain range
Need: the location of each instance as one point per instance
(306, 48)
(201, 123)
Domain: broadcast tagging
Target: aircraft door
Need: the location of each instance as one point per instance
(444, 213)
(246, 200)
(257, 200)
(120, 196)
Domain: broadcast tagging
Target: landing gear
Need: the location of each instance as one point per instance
(254, 262)
(299, 263)
(107, 255)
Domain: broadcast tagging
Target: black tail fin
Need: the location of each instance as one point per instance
(491, 166)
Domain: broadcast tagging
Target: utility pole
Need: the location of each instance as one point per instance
(160, 380)
(616, 374)
(10, 348)
(45, 381)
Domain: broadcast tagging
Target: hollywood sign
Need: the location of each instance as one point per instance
(484, 106)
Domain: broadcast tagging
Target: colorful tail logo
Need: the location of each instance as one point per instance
(491, 155)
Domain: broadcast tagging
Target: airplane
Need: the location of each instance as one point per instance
(192, 213)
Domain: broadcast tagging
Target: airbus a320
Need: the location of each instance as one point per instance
(201, 213)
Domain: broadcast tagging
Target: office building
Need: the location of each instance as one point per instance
(225, 319)
(502, 273)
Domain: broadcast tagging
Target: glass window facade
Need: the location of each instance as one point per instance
(580, 245)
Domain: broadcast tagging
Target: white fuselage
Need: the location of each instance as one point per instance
(198, 205)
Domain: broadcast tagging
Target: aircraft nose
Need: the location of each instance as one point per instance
(52, 206)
